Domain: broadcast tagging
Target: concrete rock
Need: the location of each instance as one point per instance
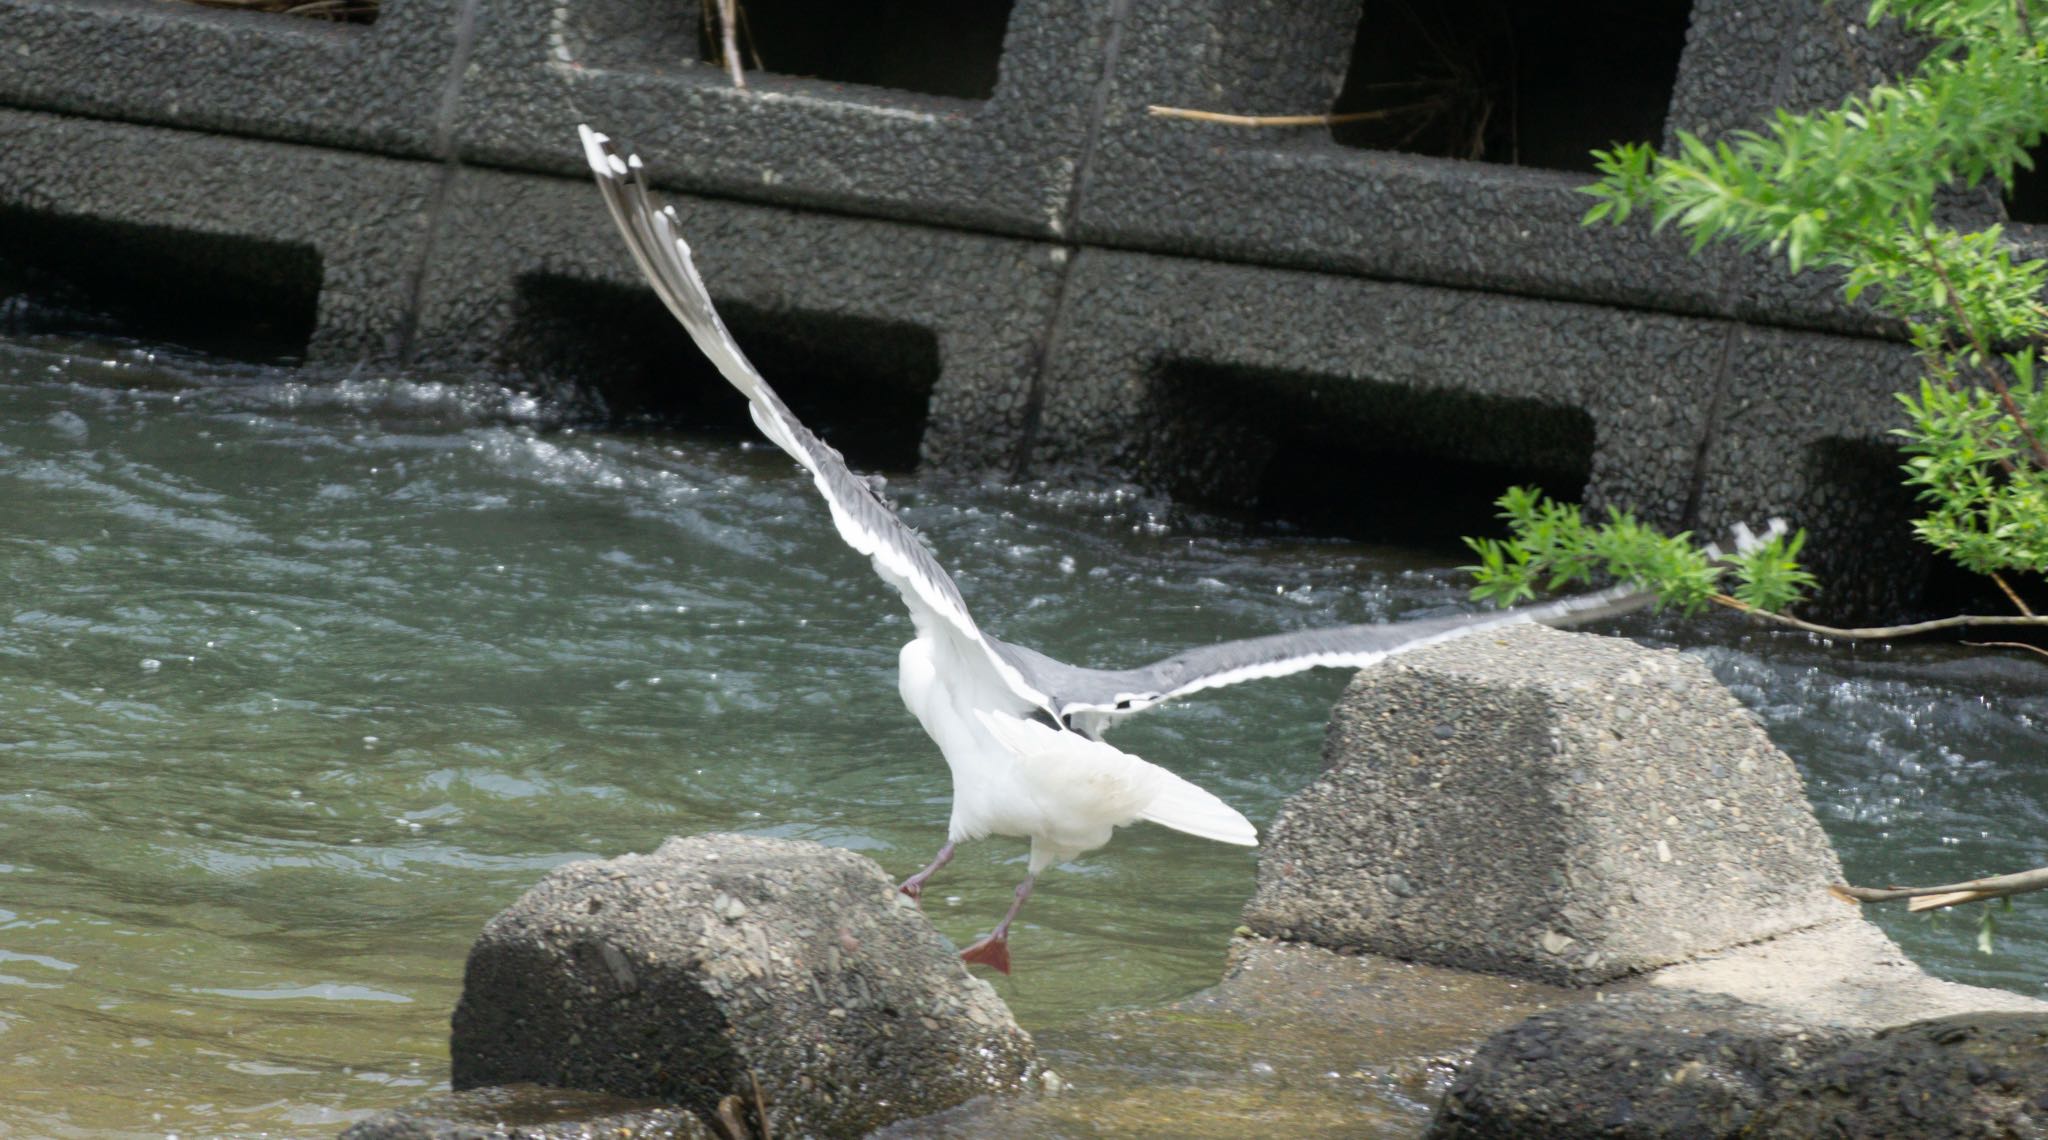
(1676, 1065)
(529, 1112)
(1977, 1074)
(1557, 806)
(1847, 973)
(718, 961)
(1679, 1064)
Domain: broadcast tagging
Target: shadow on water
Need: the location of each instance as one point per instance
(302, 677)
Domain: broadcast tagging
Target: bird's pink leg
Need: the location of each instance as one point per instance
(994, 949)
(914, 885)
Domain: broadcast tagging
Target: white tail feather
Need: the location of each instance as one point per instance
(1093, 786)
(1184, 807)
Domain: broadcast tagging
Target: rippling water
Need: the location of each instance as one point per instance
(302, 678)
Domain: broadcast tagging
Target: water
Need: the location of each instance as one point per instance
(303, 677)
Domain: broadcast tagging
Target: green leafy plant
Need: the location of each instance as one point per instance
(1550, 545)
(1858, 189)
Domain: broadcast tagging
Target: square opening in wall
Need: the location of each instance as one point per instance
(1516, 83)
(1859, 513)
(864, 386)
(2026, 199)
(220, 294)
(334, 11)
(933, 47)
(1373, 461)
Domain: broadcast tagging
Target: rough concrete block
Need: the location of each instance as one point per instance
(986, 301)
(364, 218)
(376, 87)
(1558, 806)
(1803, 433)
(1294, 197)
(1459, 376)
(1847, 972)
(718, 961)
(630, 68)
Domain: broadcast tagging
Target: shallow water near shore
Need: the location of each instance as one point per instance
(303, 676)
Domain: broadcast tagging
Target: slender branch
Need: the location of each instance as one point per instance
(2007, 645)
(2017, 603)
(1928, 898)
(1278, 120)
(1877, 251)
(1986, 363)
(2012, 408)
(729, 38)
(747, 36)
(731, 1117)
(1880, 632)
(761, 1106)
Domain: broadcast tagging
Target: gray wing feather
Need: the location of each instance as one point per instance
(1120, 692)
(863, 519)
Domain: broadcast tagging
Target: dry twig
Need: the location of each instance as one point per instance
(729, 39)
(2011, 594)
(1928, 898)
(1269, 120)
(1881, 632)
(2007, 645)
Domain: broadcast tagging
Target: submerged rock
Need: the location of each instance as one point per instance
(1556, 806)
(723, 963)
(1648, 1065)
(529, 1112)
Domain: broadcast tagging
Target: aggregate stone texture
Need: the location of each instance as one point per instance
(376, 87)
(1451, 375)
(532, 1112)
(1640, 1066)
(365, 218)
(1061, 149)
(630, 68)
(1292, 196)
(1845, 973)
(1550, 805)
(721, 960)
(1742, 62)
(1970, 1075)
(1803, 432)
(985, 301)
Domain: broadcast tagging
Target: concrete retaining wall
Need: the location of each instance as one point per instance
(1078, 266)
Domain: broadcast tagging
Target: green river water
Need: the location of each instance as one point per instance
(303, 676)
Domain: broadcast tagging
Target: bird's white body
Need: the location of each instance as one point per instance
(1016, 775)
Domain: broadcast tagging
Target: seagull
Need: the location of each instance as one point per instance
(1021, 732)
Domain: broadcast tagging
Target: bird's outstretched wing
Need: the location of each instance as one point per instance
(1091, 699)
(864, 520)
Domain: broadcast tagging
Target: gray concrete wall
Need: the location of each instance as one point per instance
(1069, 254)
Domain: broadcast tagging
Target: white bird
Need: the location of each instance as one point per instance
(1021, 732)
